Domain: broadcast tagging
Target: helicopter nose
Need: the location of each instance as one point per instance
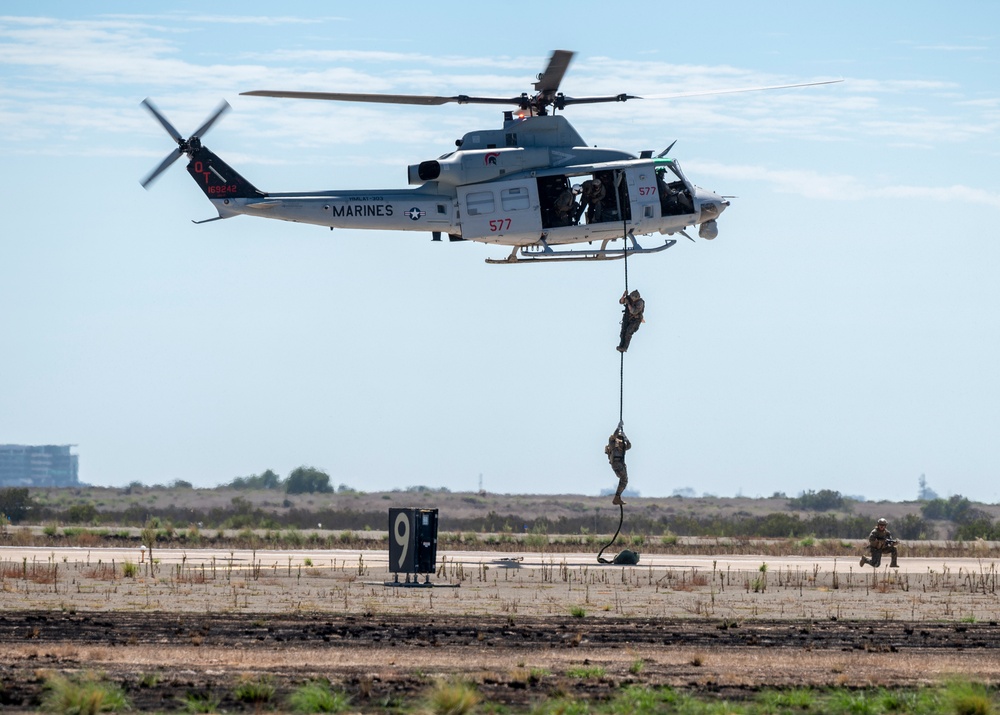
(712, 204)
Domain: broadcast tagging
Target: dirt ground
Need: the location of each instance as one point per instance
(521, 631)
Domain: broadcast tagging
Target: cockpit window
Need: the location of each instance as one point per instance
(675, 196)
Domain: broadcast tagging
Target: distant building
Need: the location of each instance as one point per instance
(46, 465)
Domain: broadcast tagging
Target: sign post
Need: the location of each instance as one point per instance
(413, 542)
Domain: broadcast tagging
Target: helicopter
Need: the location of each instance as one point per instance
(534, 184)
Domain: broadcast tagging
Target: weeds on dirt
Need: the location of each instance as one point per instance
(149, 680)
(968, 698)
(452, 697)
(35, 572)
(796, 699)
(961, 699)
(643, 701)
(528, 676)
(255, 690)
(586, 672)
(87, 695)
(200, 703)
(90, 694)
(318, 697)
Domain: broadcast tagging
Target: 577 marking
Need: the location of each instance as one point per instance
(500, 224)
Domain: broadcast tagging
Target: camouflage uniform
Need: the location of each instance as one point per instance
(880, 542)
(618, 444)
(565, 208)
(592, 200)
(631, 318)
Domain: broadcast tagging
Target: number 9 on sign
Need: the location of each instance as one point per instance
(401, 533)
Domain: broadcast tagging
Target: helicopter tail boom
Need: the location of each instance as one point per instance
(217, 179)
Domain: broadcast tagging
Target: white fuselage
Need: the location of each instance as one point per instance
(511, 210)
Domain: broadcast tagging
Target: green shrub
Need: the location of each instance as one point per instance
(317, 697)
(83, 696)
(452, 698)
(968, 698)
(200, 703)
(254, 690)
(788, 700)
(586, 672)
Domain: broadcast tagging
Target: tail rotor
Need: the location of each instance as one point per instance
(184, 146)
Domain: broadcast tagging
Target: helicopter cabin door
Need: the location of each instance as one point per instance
(504, 212)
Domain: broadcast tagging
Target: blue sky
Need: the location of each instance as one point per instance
(841, 332)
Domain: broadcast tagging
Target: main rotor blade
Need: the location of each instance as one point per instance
(735, 91)
(207, 124)
(171, 158)
(566, 101)
(423, 99)
(148, 104)
(552, 76)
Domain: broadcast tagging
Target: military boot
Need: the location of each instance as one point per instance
(893, 564)
(864, 561)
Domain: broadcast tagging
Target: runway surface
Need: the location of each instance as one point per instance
(376, 559)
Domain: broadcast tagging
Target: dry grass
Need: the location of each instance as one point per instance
(33, 572)
(676, 666)
(346, 585)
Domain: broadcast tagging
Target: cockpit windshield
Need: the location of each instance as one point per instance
(672, 166)
(674, 190)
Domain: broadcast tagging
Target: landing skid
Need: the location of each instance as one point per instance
(542, 252)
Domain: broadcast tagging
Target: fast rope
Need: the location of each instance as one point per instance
(621, 518)
(621, 371)
(621, 395)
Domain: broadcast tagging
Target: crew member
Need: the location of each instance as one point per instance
(592, 200)
(565, 208)
(880, 542)
(631, 317)
(618, 444)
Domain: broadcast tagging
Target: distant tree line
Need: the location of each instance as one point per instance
(301, 480)
(971, 523)
(241, 513)
(967, 522)
(823, 500)
(14, 503)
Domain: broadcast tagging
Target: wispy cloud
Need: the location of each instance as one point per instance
(263, 20)
(846, 187)
(953, 48)
(68, 84)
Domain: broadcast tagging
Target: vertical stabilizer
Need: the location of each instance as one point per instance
(219, 180)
